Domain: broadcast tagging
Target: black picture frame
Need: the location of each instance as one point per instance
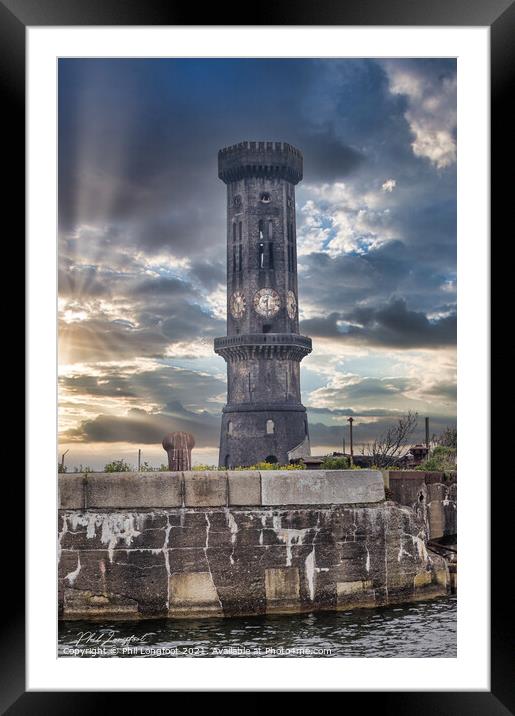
(499, 15)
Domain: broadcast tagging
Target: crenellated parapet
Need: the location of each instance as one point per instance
(267, 159)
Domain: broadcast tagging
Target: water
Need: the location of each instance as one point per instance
(425, 629)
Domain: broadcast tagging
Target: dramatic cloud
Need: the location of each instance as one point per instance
(144, 428)
(153, 382)
(431, 92)
(391, 325)
(142, 240)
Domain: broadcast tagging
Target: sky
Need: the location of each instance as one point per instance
(142, 235)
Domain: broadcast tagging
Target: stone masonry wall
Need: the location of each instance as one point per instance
(433, 495)
(237, 543)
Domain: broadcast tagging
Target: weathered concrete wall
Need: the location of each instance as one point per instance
(433, 495)
(208, 544)
(219, 488)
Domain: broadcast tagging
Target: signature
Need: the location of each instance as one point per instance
(108, 636)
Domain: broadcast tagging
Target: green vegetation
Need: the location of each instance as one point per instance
(339, 462)
(272, 466)
(449, 438)
(118, 466)
(82, 468)
(331, 462)
(258, 466)
(441, 459)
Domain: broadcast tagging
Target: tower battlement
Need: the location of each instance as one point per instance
(267, 159)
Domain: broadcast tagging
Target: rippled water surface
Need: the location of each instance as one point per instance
(426, 629)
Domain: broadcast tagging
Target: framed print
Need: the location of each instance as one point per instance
(262, 250)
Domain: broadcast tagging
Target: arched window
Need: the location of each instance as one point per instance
(229, 427)
(270, 255)
(270, 427)
(270, 230)
(239, 257)
(261, 255)
(240, 230)
(234, 232)
(261, 230)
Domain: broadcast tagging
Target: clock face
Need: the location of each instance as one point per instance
(291, 304)
(238, 304)
(267, 302)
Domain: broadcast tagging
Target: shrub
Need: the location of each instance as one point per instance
(272, 466)
(82, 468)
(441, 459)
(118, 466)
(331, 462)
(449, 438)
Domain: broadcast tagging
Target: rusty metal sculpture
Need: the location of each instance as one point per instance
(178, 447)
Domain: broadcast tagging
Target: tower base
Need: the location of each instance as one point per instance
(257, 433)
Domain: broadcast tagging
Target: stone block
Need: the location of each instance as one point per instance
(319, 487)
(282, 589)
(355, 594)
(71, 492)
(134, 490)
(436, 516)
(344, 589)
(434, 477)
(442, 577)
(193, 594)
(406, 486)
(205, 489)
(244, 487)
(87, 605)
(421, 579)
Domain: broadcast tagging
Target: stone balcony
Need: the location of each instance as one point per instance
(263, 345)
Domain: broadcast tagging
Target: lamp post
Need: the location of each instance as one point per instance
(350, 421)
(62, 459)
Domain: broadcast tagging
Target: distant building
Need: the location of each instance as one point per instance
(417, 454)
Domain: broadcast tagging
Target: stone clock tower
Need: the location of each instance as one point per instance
(264, 418)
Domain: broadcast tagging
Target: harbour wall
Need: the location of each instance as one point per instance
(197, 544)
(433, 495)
